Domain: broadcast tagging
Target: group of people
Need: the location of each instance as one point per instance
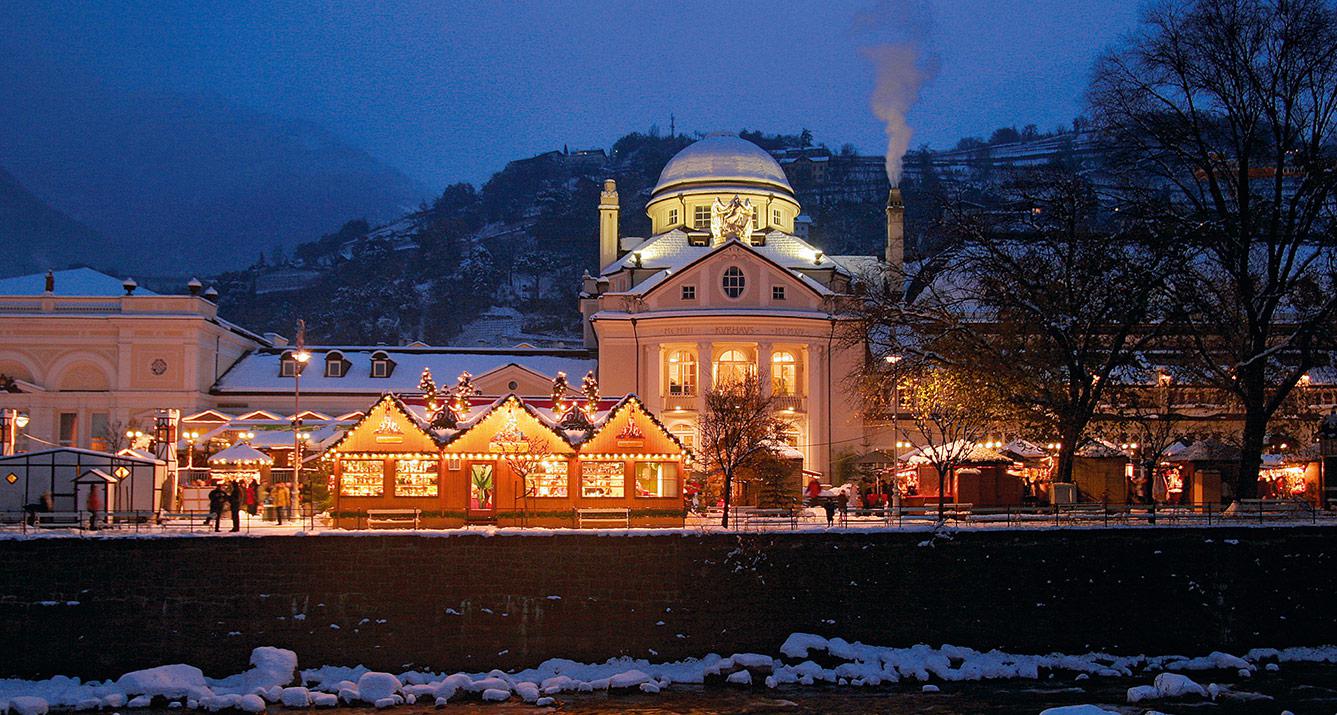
(236, 495)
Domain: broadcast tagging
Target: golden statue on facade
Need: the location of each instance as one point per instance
(731, 220)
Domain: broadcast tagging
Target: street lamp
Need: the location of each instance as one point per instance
(11, 421)
(895, 436)
(302, 356)
(190, 436)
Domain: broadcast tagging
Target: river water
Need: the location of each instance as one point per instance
(1300, 689)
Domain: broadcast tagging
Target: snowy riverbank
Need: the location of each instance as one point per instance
(803, 660)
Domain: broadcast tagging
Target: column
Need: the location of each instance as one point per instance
(705, 375)
(764, 367)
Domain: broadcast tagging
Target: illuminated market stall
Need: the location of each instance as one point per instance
(453, 459)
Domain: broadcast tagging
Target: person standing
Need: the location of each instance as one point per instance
(234, 504)
(217, 498)
(814, 491)
(281, 499)
(94, 506)
(252, 497)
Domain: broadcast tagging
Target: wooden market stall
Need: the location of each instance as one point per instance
(510, 462)
(983, 478)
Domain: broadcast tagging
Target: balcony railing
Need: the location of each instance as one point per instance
(679, 403)
(792, 403)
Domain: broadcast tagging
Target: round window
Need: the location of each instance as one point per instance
(512, 385)
(733, 281)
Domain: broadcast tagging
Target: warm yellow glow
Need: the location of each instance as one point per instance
(21, 420)
(301, 356)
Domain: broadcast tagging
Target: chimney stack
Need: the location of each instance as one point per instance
(895, 229)
(608, 208)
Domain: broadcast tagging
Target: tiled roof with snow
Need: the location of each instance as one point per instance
(259, 370)
(72, 282)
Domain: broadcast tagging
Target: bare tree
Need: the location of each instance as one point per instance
(952, 413)
(1227, 107)
(739, 425)
(1144, 418)
(1046, 303)
(524, 464)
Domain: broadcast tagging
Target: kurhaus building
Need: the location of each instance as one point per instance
(722, 288)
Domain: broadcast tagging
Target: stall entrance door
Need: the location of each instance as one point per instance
(482, 492)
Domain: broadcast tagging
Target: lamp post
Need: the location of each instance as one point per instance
(302, 356)
(895, 436)
(190, 436)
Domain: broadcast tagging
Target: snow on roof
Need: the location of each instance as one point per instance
(722, 158)
(674, 251)
(978, 454)
(1207, 450)
(259, 370)
(240, 452)
(71, 282)
(80, 452)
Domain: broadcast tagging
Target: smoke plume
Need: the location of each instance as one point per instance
(901, 71)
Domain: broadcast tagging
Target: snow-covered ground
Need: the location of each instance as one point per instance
(803, 660)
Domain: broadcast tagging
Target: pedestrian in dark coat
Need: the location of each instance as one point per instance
(234, 503)
(217, 499)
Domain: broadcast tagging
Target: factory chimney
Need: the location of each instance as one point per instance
(895, 229)
(608, 209)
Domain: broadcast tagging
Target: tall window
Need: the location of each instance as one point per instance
(784, 374)
(682, 373)
(775, 217)
(733, 281)
(673, 217)
(733, 366)
(657, 479)
(69, 429)
(99, 431)
(701, 217)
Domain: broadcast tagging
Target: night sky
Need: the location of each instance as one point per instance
(450, 91)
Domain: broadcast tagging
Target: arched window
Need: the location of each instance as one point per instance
(734, 366)
(681, 371)
(733, 281)
(784, 374)
(381, 364)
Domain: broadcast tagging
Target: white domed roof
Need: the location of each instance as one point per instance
(722, 159)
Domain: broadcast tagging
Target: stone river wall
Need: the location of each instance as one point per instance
(98, 607)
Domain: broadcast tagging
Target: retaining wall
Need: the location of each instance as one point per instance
(98, 607)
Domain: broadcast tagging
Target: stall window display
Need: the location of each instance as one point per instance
(549, 480)
(602, 479)
(363, 478)
(416, 477)
(657, 479)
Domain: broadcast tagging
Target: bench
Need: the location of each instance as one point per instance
(393, 517)
(603, 515)
(767, 517)
(929, 512)
(61, 520)
(1080, 511)
(1278, 508)
(184, 519)
(135, 518)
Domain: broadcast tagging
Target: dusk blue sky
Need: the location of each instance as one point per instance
(451, 91)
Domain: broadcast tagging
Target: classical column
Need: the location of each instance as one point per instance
(705, 373)
(764, 367)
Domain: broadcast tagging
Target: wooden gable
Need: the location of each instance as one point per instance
(386, 428)
(508, 427)
(631, 430)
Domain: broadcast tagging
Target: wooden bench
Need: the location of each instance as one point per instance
(767, 517)
(929, 512)
(393, 517)
(135, 518)
(603, 515)
(182, 519)
(1276, 508)
(1081, 511)
(61, 519)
